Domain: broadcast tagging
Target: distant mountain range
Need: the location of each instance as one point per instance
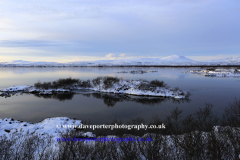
(173, 60)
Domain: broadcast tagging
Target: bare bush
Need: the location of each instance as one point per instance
(144, 86)
(66, 82)
(176, 117)
(6, 147)
(46, 85)
(217, 146)
(129, 150)
(56, 84)
(189, 124)
(151, 150)
(109, 81)
(191, 145)
(84, 84)
(97, 81)
(231, 116)
(38, 85)
(205, 119)
(106, 150)
(73, 149)
(157, 83)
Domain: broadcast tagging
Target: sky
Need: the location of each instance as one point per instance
(83, 30)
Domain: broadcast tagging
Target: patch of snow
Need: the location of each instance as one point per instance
(48, 126)
(16, 88)
(218, 72)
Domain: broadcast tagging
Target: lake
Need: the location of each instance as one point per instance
(102, 108)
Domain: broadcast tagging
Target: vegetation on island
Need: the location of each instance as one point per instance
(107, 81)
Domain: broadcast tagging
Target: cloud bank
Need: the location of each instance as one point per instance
(98, 28)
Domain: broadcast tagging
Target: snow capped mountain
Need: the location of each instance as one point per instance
(176, 58)
(173, 60)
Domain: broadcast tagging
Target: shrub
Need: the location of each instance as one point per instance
(231, 115)
(85, 84)
(205, 119)
(144, 85)
(65, 82)
(157, 83)
(97, 81)
(38, 85)
(46, 85)
(109, 81)
(55, 84)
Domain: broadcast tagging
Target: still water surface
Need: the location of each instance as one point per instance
(102, 108)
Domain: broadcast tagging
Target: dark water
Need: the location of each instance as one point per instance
(102, 108)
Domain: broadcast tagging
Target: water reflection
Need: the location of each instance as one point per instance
(61, 97)
(111, 99)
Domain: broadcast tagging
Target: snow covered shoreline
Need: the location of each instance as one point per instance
(104, 84)
(217, 72)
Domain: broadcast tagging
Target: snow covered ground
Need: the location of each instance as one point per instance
(132, 87)
(218, 72)
(173, 60)
(41, 137)
(9, 126)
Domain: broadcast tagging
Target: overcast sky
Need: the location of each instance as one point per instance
(69, 30)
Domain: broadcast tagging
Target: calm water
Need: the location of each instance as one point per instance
(103, 108)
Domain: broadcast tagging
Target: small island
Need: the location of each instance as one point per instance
(138, 71)
(101, 84)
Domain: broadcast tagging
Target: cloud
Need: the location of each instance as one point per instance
(27, 43)
(122, 55)
(112, 56)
